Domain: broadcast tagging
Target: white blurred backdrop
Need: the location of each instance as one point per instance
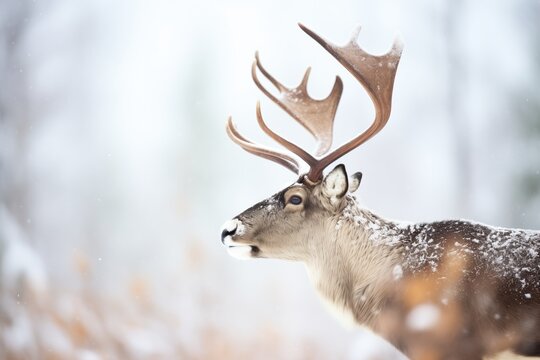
(116, 173)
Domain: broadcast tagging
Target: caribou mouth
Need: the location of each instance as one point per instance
(237, 249)
(243, 252)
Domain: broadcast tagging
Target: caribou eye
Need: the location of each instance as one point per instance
(295, 200)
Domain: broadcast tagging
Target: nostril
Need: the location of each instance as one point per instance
(229, 229)
(226, 233)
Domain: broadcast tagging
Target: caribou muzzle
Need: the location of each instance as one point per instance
(231, 233)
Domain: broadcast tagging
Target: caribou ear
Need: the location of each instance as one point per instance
(354, 183)
(335, 184)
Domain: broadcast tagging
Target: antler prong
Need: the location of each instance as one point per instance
(277, 84)
(355, 35)
(305, 79)
(269, 154)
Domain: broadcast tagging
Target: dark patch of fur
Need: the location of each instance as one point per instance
(492, 278)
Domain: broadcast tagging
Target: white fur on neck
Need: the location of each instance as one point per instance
(356, 253)
(340, 311)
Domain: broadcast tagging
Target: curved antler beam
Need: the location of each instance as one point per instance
(269, 154)
(304, 155)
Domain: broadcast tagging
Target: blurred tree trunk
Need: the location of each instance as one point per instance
(456, 93)
(527, 109)
(15, 111)
(21, 271)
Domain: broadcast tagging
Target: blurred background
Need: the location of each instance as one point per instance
(116, 173)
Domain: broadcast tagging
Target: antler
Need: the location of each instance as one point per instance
(317, 116)
(375, 73)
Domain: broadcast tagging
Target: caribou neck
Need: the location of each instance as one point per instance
(353, 271)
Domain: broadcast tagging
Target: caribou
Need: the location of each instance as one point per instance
(449, 289)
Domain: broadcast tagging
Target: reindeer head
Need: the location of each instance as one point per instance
(290, 223)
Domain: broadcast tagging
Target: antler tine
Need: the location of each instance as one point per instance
(304, 155)
(316, 116)
(376, 74)
(261, 151)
